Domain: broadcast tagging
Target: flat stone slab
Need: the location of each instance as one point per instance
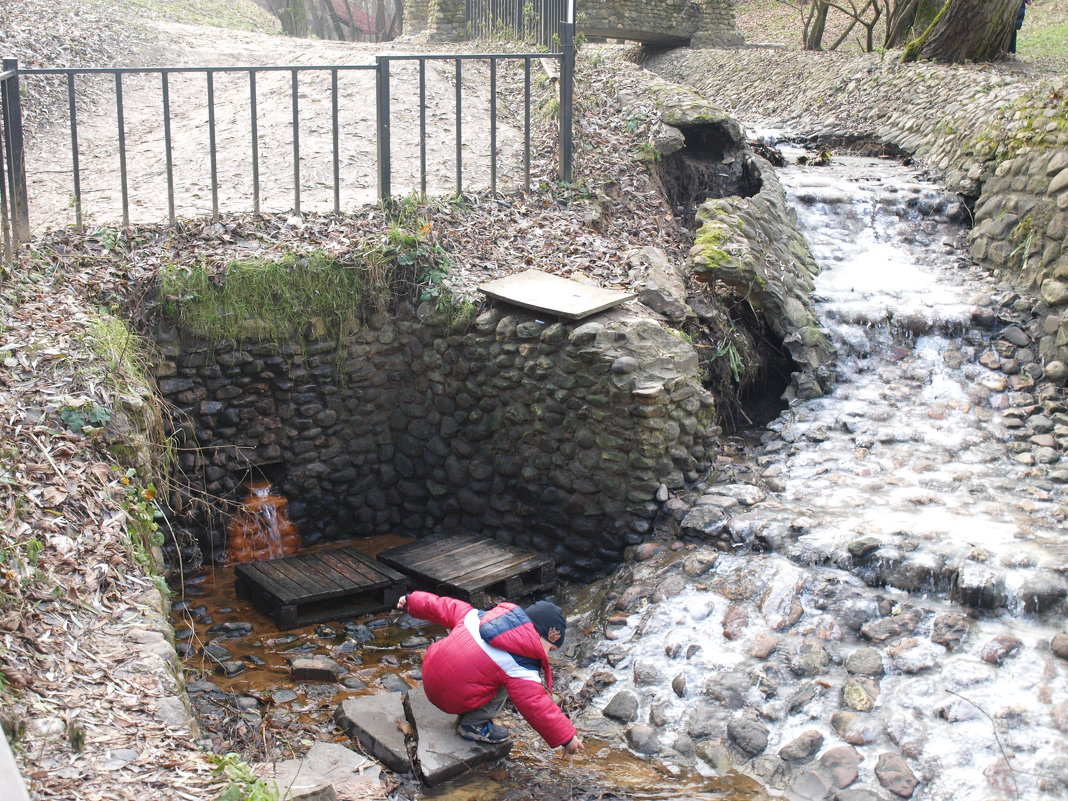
(295, 782)
(534, 289)
(377, 723)
(441, 753)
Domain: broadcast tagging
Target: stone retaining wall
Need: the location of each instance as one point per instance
(443, 20)
(709, 23)
(993, 135)
(705, 24)
(563, 437)
(747, 237)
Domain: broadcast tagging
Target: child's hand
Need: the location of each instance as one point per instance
(574, 746)
(402, 602)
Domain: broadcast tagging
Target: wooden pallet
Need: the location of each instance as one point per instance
(313, 587)
(473, 568)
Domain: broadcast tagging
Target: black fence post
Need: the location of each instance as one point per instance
(16, 154)
(382, 106)
(567, 94)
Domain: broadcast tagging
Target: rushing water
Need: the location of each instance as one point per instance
(898, 520)
(898, 512)
(261, 528)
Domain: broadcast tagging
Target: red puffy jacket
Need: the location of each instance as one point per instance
(485, 650)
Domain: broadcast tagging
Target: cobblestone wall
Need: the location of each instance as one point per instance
(703, 24)
(444, 20)
(708, 23)
(560, 437)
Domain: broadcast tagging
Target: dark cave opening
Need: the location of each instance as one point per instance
(712, 164)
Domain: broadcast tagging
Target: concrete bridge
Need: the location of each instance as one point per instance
(667, 23)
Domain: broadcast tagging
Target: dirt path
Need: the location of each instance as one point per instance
(50, 167)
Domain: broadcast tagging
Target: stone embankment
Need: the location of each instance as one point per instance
(745, 240)
(994, 135)
(562, 437)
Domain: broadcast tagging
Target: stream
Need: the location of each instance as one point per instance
(876, 622)
(867, 614)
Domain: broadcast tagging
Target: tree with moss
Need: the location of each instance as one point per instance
(907, 19)
(966, 30)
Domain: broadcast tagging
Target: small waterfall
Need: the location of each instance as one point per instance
(261, 528)
(887, 594)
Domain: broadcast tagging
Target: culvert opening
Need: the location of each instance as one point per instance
(712, 164)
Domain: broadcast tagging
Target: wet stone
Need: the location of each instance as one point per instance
(809, 657)
(716, 756)
(1000, 648)
(949, 630)
(283, 696)
(802, 747)
(751, 736)
(889, 628)
(858, 794)
(678, 685)
(1058, 644)
(372, 721)
(895, 775)
(860, 694)
(231, 630)
(623, 707)
(811, 785)
(763, 646)
(231, 668)
(860, 549)
(643, 739)
(393, 683)
(865, 661)
(646, 674)
(856, 728)
(315, 669)
(842, 763)
(913, 655)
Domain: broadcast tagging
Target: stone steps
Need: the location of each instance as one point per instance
(407, 733)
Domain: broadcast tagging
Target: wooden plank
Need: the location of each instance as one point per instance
(414, 556)
(541, 291)
(431, 548)
(517, 559)
(488, 579)
(326, 577)
(365, 563)
(273, 582)
(508, 562)
(442, 561)
(315, 590)
(298, 569)
(350, 570)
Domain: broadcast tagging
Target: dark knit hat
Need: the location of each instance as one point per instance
(549, 620)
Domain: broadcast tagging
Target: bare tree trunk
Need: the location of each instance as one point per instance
(966, 30)
(816, 25)
(907, 19)
(899, 22)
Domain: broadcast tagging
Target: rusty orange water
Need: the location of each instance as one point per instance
(261, 528)
(605, 770)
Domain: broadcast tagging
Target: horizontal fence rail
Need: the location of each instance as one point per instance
(169, 142)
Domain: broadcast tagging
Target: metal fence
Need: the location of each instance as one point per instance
(429, 115)
(538, 21)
